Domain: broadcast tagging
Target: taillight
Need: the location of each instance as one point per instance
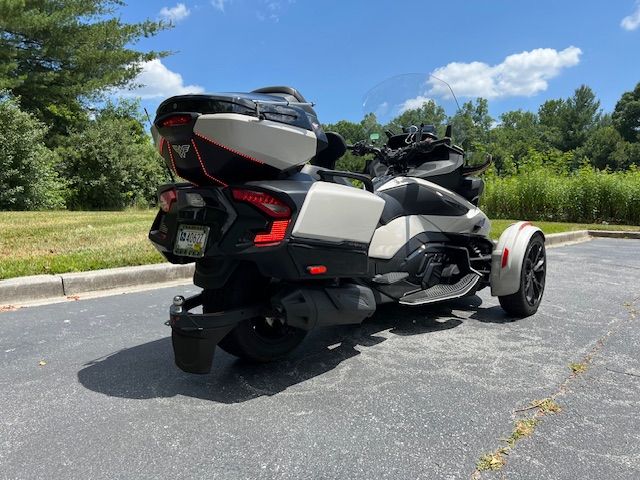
(273, 208)
(176, 120)
(263, 201)
(166, 199)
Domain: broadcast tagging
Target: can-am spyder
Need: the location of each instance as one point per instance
(283, 243)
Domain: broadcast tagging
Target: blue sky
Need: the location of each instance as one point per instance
(517, 53)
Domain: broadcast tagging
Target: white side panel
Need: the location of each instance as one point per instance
(276, 144)
(390, 238)
(336, 213)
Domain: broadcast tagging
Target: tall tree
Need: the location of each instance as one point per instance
(55, 55)
(567, 123)
(626, 115)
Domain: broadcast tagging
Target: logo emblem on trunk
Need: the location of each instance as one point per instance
(181, 150)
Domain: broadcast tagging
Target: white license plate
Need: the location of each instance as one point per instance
(191, 240)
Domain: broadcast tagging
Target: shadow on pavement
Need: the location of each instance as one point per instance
(147, 370)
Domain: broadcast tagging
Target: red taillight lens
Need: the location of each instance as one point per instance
(263, 201)
(166, 199)
(176, 120)
(273, 208)
(275, 235)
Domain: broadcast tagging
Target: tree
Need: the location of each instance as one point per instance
(430, 113)
(567, 123)
(471, 125)
(58, 54)
(511, 141)
(111, 164)
(603, 149)
(27, 173)
(626, 115)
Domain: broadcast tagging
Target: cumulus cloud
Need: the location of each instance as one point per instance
(175, 14)
(631, 22)
(413, 103)
(156, 81)
(218, 4)
(520, 74)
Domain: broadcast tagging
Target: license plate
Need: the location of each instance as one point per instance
(191, 240)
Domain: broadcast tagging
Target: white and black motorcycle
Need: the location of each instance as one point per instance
(283, 242)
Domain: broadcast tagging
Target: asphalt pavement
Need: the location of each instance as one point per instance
(88, 389)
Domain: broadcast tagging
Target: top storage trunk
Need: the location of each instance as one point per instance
(234, 138)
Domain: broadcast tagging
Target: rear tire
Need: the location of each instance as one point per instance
(257, 339)
(526, 300)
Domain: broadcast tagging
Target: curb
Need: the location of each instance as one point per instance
(558, 239)
(39, 287)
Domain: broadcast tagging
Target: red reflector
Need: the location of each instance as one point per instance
(176, 120)
(317, 269)
(266, 203)
(166, 199)
(276, 234)
(505, 257)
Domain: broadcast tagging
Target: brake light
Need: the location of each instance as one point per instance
(176, 120)
(273, 208)
(264, 202)
(166, 199)
(275, 235)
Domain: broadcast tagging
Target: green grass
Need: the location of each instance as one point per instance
(33, 243)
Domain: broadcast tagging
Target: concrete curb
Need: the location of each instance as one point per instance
(40, 287)
(558, 239)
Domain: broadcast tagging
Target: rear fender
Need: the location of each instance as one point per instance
(505, 272)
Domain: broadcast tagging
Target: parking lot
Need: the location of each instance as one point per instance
(412, 393)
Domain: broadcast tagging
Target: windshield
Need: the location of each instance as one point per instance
(403, 103)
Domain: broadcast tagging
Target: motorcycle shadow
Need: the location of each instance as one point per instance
(147, 371)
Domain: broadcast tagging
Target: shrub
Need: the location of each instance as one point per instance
(27, 166)
(588, 195)
(111, 164)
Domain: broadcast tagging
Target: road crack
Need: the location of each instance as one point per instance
(526, 422)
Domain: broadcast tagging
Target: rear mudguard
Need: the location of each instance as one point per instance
(507, 258)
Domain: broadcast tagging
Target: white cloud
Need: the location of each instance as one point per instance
(631, 22)
(175, 14)
(521, 74)
(413, 103)
(218, 4)
(157, 81)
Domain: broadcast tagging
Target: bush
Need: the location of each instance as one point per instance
(111, 164)
(537, 192)
(27, 166)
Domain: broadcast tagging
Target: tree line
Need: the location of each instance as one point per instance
(567, 132)
(65, 145)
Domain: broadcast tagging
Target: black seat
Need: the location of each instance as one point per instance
(336, 148)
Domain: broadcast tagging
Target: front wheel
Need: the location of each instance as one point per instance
(259, 339)
(526, 300)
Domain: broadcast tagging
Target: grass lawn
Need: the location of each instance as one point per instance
(33, 243)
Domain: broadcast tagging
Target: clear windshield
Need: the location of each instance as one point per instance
(405, 102)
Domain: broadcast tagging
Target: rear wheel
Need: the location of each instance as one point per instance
(260, 339)
(526, 300)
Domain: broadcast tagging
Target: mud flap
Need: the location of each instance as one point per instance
(195, 335)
